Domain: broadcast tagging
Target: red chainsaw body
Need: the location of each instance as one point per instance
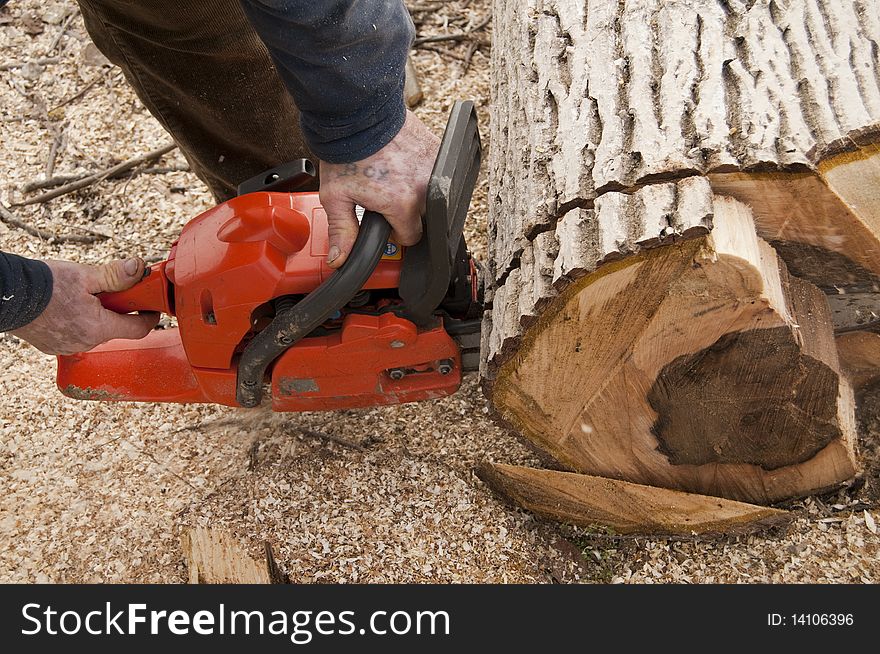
(220, 280)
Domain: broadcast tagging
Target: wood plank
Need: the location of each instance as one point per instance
(214, 556)
(624, 507)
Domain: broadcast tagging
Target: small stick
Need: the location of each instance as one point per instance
(473, 46)
(311, 433)
(428, 6)
(62, 31)
(42, 62)
(78, 94)
(9, 218)
(53, 153)
(161, 170)
(97, 177)
(58, 180)
(457, 36)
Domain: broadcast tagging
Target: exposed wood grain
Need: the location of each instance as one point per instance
(624, 507)
(859, 354)
(819, 236)
(592, 381)
(214, 556)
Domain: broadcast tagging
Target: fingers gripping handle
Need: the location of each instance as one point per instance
(149, 294)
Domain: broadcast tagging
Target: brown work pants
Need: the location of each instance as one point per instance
(202, 71)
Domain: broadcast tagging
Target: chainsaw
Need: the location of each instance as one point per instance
(259, 313)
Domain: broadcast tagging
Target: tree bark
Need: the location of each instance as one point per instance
(673, 185)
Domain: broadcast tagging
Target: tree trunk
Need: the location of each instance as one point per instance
(673, 185)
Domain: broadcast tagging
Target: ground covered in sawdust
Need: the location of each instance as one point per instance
(99, 492)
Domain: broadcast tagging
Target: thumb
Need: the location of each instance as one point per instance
(116, 276)
(342, 230)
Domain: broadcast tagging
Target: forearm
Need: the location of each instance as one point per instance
(25, 290)
(343, 62)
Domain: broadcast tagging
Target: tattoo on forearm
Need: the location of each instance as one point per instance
(370, 172)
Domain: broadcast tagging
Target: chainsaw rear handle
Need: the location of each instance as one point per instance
(311, 312)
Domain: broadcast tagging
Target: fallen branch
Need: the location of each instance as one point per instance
(58, 180)
(9, 218)
(457, 36)
(442, 51)
(100, 176)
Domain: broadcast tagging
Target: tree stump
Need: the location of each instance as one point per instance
(674, 187)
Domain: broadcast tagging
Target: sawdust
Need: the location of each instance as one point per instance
(100, 491)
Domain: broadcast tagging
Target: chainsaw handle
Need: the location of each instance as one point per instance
(317, 307)
(149, 294)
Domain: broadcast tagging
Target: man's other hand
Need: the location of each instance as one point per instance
(392, 182)
(74, 320)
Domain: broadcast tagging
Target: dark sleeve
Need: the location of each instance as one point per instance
(25, 289)
(343, 62)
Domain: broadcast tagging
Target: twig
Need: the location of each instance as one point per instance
(9, 218)
(42, 62)
(78, 94)
(442, 51)
(53, 153)
(457, 36)
(427, 6)
(97, 177)
(330, 437)
(62, 32)
(473, 46)
(58, 180)
(161, 170)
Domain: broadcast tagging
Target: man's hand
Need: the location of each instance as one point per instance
(74, 320)
(392, 182)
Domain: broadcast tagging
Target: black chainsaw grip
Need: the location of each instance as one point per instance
(313, 310)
